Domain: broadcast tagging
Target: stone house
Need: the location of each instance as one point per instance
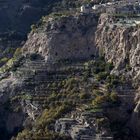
(99, 8)
(86, 8)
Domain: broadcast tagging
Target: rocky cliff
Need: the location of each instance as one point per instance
(120, 44)
(83, 36)
(66, 37)
(93, 94)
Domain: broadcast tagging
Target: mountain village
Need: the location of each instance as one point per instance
(125, 12)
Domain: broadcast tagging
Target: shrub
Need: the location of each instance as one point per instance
(33, 28)
(128, 67)
(114, 97)
(113, 80)
(109, 86)
(48, 116)
(100, 100)
(102, 122)
(98, 93)
(102, 76)
(84, 96)
(122, 79)
(17, 52)
(71, 83)
(3, 60)
(87, 74)
(109, 66)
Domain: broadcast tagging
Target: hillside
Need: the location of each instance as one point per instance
(76, 77)
(17, 17)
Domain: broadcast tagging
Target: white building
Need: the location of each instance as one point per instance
(85, 9)
(95, 7)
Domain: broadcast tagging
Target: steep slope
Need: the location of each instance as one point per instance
(120, 44)
(62, 89)
(17, 17)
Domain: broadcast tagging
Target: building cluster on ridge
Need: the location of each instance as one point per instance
(126, 13)
(117, 7)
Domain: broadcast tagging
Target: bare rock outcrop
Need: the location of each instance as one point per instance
(120, 45)
(69, 37)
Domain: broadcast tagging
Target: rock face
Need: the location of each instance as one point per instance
(11, 115)
(65, 38)
(74, 37)
(120, 45)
